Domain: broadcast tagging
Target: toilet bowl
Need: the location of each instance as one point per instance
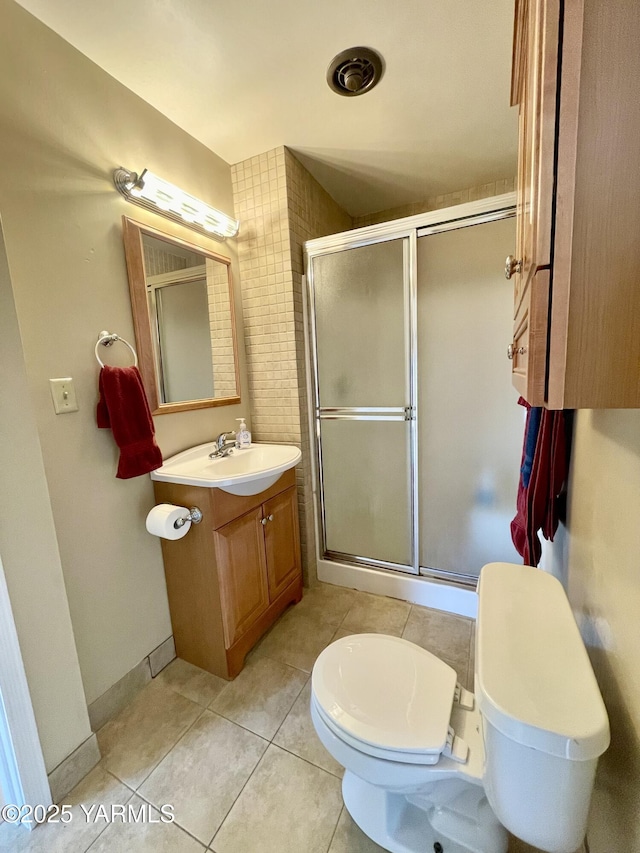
(432, 767)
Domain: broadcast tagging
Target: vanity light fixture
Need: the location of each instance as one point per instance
(153, 193)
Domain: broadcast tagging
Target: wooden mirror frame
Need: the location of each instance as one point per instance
(132, 233)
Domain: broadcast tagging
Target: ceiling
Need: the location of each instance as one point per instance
(246, 76)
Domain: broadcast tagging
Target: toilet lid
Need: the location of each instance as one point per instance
(386, 692)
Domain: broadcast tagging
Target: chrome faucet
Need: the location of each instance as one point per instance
(224, 445)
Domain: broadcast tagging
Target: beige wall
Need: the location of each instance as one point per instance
(437, 202)
(280, 205)
(602, 561)
(64, 126)
(32, 562)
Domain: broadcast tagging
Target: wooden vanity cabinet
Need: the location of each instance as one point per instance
(576, 340)
(233, 574)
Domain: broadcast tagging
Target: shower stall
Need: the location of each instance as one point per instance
(415, 423)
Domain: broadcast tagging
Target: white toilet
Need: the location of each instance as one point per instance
(430, 766)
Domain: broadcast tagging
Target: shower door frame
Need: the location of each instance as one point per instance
(414, 583)
(406, 413)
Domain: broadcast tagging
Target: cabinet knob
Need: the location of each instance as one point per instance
(263, 521)
(511, 266)
(513, 350)
(270, 518)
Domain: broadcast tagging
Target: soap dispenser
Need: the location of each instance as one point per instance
(243, 436)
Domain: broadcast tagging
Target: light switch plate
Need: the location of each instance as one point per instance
(63, 393)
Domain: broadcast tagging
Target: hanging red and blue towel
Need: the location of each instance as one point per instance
(543, 475)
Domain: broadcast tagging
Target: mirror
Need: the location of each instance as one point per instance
(183, 312)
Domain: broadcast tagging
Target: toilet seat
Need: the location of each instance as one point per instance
(385, 696)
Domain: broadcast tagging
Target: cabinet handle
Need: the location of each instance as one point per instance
(512, 350)
(270, 518)
(263, 521)
(511, 266)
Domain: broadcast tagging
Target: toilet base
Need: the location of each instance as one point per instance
(401, 826)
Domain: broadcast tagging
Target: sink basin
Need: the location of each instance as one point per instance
(244, 472)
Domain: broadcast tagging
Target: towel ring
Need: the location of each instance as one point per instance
(107, 339)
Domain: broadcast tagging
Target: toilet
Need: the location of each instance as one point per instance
(430, 766)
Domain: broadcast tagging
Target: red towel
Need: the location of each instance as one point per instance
(123, 407)
(537, 502)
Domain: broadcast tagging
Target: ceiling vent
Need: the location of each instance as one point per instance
(355, 71)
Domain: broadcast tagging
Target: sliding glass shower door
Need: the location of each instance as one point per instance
(417, 425)
(364, 402)
(470, 426)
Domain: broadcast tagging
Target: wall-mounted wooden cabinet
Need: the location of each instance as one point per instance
(576, 79)
(233, 574)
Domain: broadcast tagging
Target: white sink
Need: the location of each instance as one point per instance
(244, 472)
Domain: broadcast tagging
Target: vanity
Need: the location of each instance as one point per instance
(235, 572)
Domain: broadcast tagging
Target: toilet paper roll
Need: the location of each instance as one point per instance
(162, 518)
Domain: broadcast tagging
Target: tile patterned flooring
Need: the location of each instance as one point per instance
(239, 761)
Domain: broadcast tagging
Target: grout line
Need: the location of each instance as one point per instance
(107, 824)
(122, 782)
(264, 657)
(406, 621)
(282, 749)
(333, 638)
(249, 777)
(307, 761)
(174, 821)
(285, 663)
(335, 828)
(240, 726)
(289, 711)
(158, 763)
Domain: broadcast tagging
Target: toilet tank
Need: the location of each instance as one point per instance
(543, 718)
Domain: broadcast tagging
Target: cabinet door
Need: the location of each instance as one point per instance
(282, 540)
(534, 89)
(242, 573)
(529, 347)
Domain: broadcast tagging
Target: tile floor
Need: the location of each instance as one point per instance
(239, 761)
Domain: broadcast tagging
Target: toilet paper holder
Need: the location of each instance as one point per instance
(195, 516)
